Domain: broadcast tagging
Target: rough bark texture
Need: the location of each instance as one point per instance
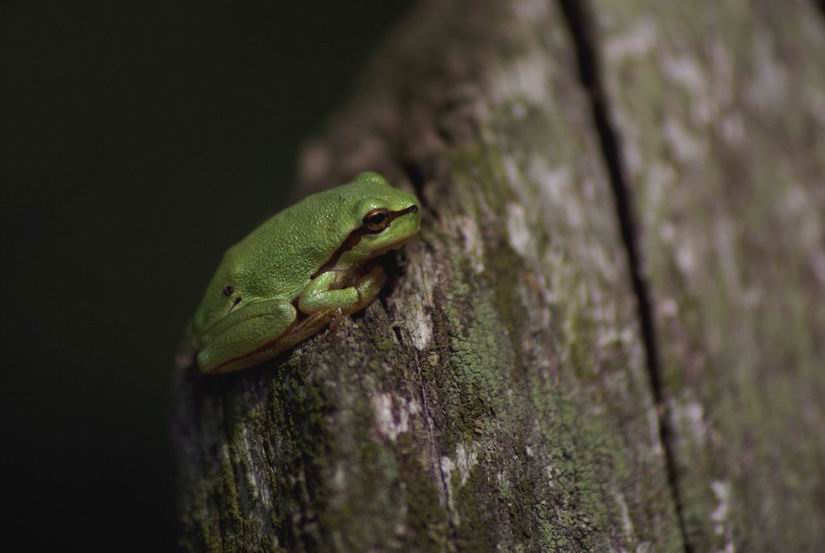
(721, 107)
(502, 395)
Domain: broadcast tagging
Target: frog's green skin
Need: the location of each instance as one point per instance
(290, 276)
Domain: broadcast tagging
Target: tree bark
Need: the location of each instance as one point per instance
(610, 334)
(722, 113)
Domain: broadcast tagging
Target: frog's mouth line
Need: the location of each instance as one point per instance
(388, 248)
(355, 237)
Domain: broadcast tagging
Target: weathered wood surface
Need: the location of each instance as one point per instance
(499, 396)
(721, 108)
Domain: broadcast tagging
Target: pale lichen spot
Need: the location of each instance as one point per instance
(556, 186)
(684, 71)
(613, 337)
(685, 258)
(685, 146)
(552, 181)
(800, 209)
(517, 230)
(732, 129)
(447, 468)
(420, 327)
(473, 242)
(635, 42)
(391, 424)
(551, 474)
(243, 449)
(723, 81)
(512, 171)
(527, 78)
(339, 476)
(504, 484)
(667, 307)
(690, 417)
(652, 417)
(624, 513)
(530, 10)
(625, 122)
(719, 516)
(667, 232)
(660, 179)
(465, 459)
(769, 86)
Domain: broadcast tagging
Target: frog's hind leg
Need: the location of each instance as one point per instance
(247, 338)
(304, 328)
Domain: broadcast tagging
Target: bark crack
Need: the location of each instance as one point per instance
(425, 408)
(579, 21)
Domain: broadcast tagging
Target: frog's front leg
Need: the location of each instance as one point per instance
(321, 294)
(246, 337)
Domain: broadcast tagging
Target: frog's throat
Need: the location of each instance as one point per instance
(355, 237)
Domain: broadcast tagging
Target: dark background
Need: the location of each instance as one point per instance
(140, 141)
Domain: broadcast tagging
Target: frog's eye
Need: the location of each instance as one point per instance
(227, 290)
(377, 220)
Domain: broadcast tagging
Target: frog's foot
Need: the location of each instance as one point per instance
(337, 319)
(368, 288)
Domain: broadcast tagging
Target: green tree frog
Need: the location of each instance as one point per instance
(293, 274)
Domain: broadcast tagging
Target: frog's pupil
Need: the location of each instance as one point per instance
(376, 220)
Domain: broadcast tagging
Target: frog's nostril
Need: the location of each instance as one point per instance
(413, 208)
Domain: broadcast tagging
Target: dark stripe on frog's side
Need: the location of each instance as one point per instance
(355, 237)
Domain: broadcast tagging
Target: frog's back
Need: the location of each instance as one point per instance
(279, 258)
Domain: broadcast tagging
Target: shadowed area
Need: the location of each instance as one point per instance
(144, 140)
